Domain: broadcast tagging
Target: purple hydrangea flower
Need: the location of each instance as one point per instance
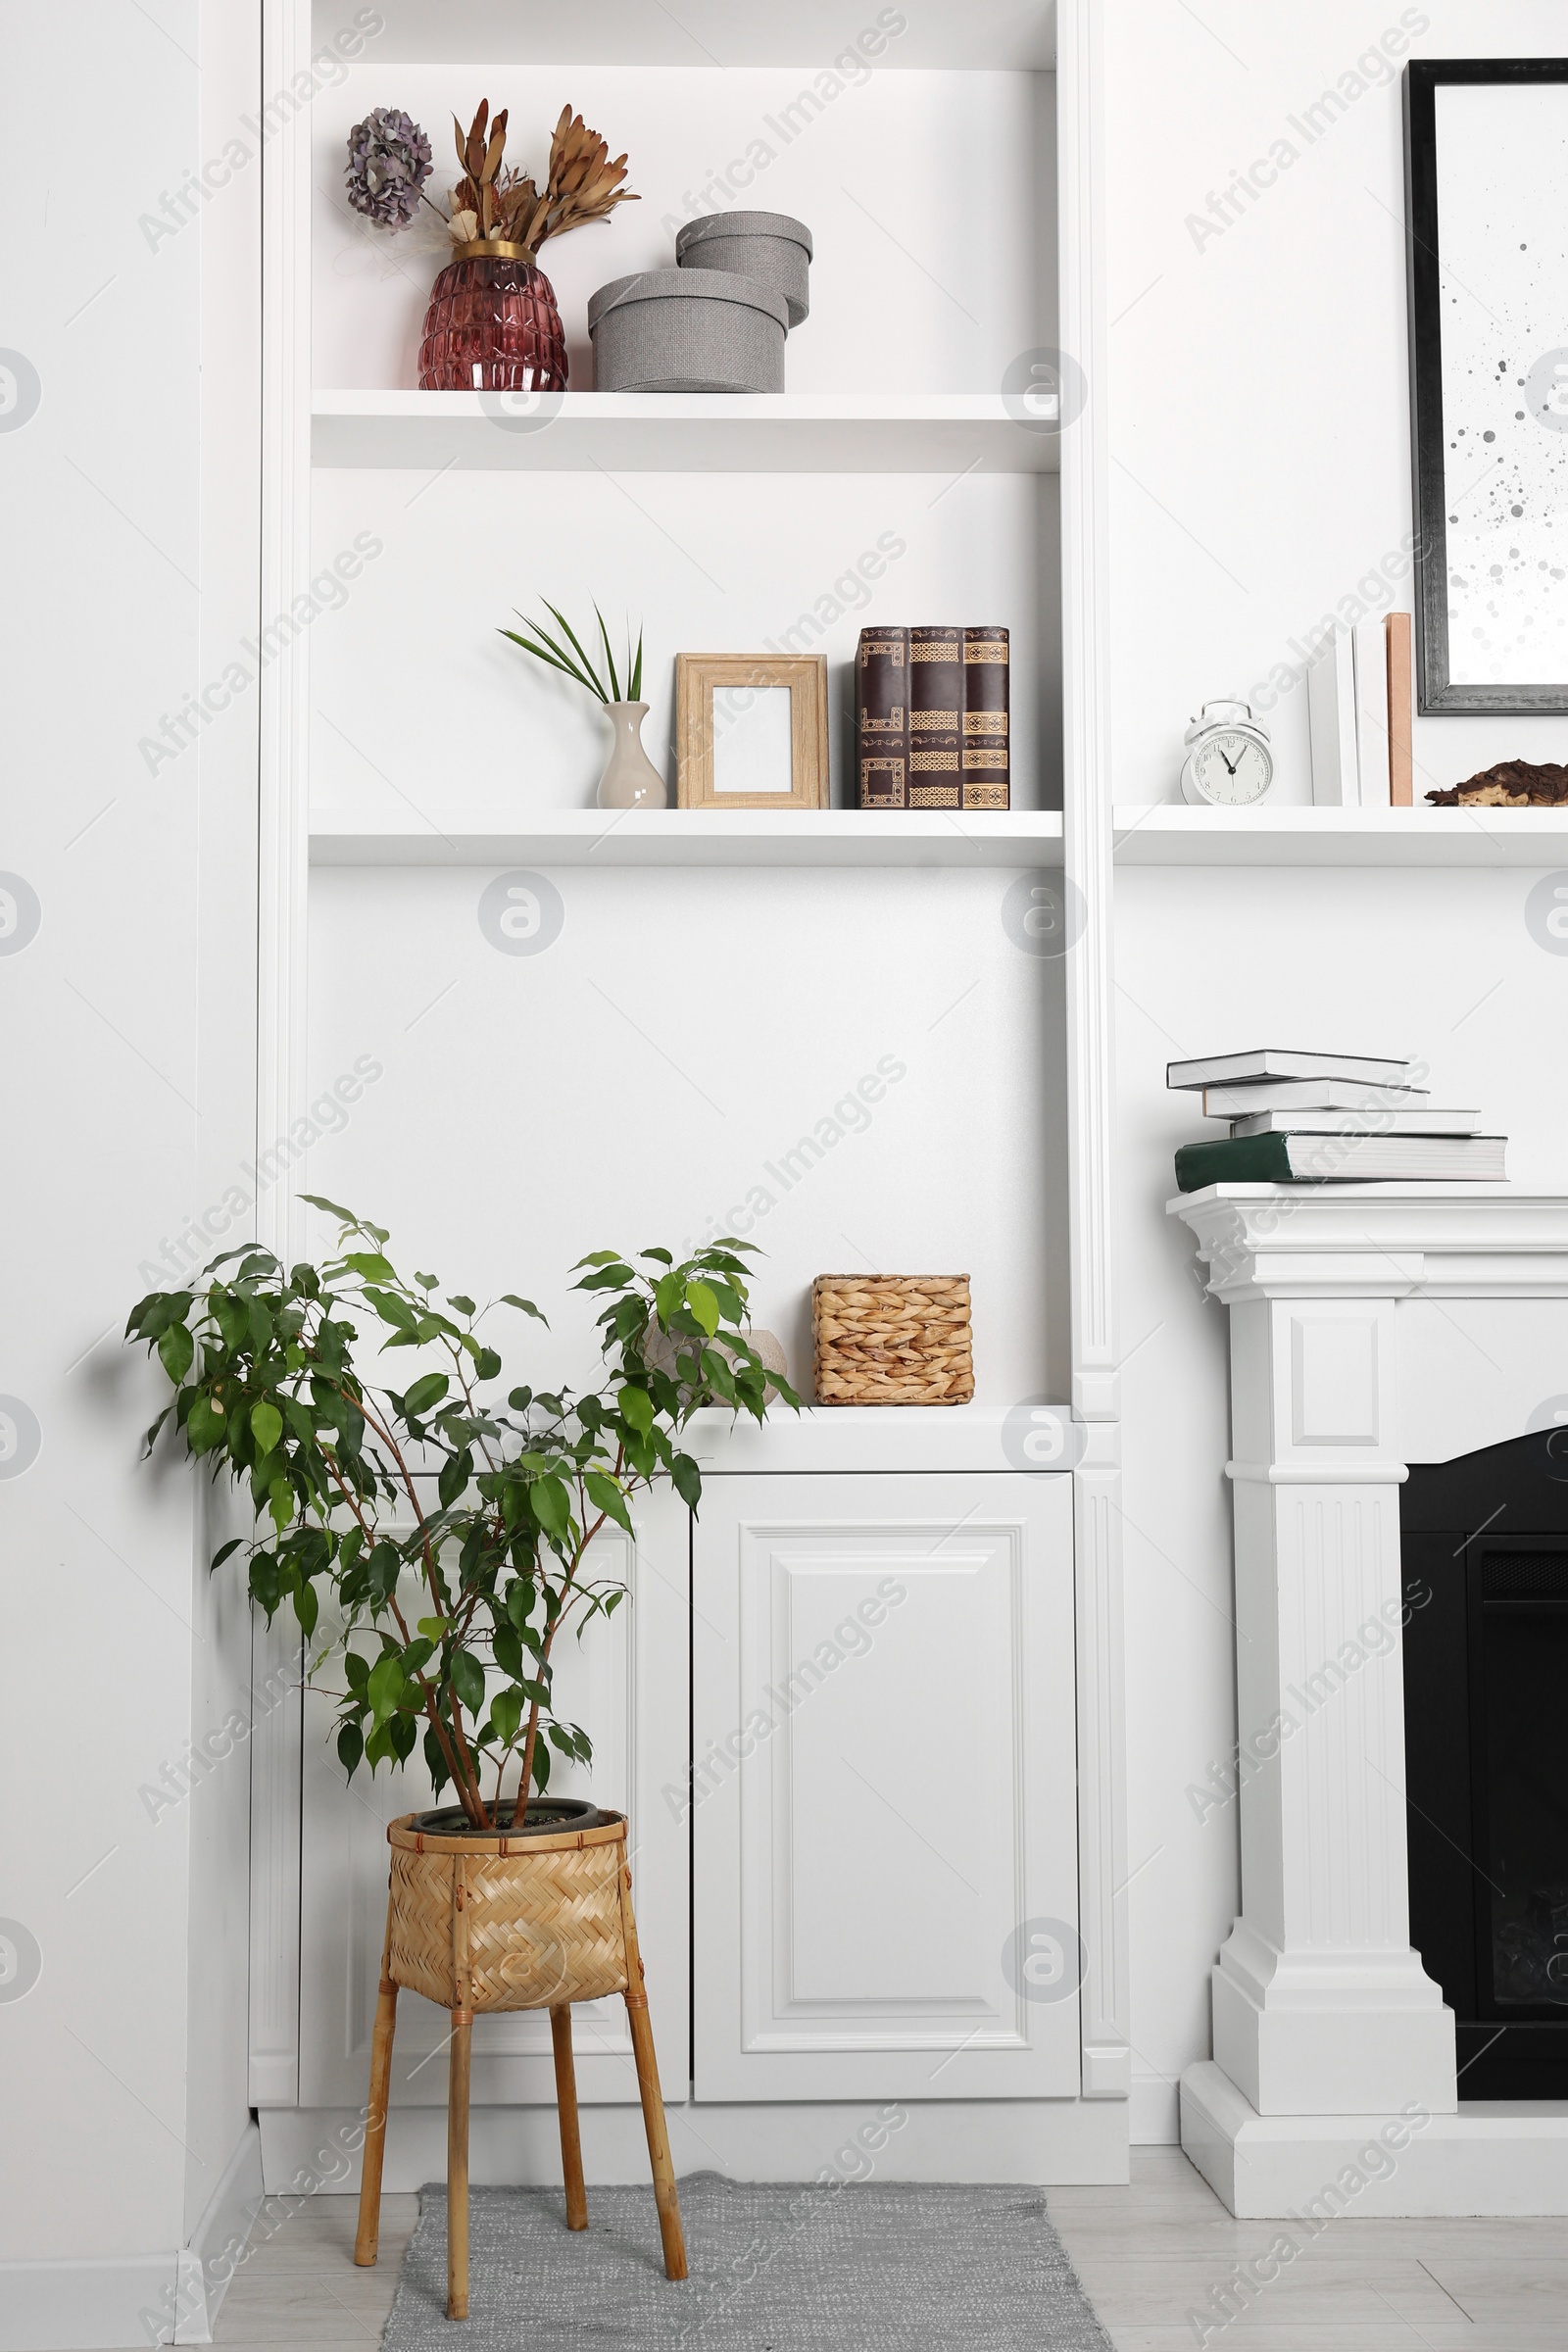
(389, 159)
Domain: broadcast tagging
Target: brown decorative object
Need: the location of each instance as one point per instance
(482, 1924)
(492, 324)
(1511, 784)
(698, 677)
(891, 1339)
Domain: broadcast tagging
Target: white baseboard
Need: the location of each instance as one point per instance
(85, 2306)
(1155, 2121)
(1043, 2140)
(219, 2240)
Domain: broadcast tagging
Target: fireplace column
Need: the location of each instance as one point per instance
(1320, 2005)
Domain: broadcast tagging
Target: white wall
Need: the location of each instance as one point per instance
(1260, 471)
(127, 1111)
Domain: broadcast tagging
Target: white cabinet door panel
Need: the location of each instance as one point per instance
(884, 1790)
(627, 1683)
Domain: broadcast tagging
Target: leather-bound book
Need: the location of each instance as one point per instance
(986, 747)
(936, 717)
(882, 719)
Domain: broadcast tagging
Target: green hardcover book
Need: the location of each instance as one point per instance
(1342, 1158)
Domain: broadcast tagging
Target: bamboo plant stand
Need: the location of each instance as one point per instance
(482, 1924)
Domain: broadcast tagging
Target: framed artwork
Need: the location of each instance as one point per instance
(751, 731)
(1485, 150)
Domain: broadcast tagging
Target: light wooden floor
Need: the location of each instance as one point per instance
(1148, 2256)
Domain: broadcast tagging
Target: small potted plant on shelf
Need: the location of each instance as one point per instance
(492, 324)
(631, 779)
(449, 1535)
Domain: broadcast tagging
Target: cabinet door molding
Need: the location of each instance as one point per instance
(884, 1800)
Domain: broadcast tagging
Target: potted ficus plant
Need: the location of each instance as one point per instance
(365, 1493)
(492, 1507)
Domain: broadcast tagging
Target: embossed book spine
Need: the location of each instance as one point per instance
(936, 717)
(882, 719)
(986, 770)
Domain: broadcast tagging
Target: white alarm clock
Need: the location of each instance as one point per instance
(1228, 763)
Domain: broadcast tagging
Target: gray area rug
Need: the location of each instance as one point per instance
(900, 2267)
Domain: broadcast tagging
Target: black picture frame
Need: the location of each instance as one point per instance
(1435, 691)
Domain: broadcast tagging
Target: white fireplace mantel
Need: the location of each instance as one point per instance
(1325, 2023)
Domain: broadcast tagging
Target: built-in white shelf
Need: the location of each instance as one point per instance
(949, 433)
(1168, 833)
(717, 837)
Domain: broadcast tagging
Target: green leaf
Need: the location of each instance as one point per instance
(636, 1408)
(306, 1608)
(609, 659)
(506, 1713)
(177, 1352)
(205, 1425)
(703, 1305)
(224, 1551)
(350, 1748)
(266, 1426)
(424, 1394)
(467, 1680)
(433, 1628)
(604, 1495)
(552, 1506)
(507, 1650)
(371, 1264)
(524, 1305)
(465, 1306)
(386, 1687)
(280, 1502)
(356, 1671)
(487, 1364)
(345, 1216)
(688, 1480)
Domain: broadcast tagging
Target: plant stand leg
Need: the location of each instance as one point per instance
(368, 2238)
(567, 2102)
(458, 2164)
(457, 2100)
(642, 2043)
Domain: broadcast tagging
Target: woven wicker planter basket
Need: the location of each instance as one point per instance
(543, 1916)
(891, 1339)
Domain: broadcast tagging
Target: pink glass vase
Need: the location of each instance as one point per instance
(492, 326)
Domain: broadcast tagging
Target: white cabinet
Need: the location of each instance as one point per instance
(883, 1803)
(627, 1682)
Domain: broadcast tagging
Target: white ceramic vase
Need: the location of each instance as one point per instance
(630, 780)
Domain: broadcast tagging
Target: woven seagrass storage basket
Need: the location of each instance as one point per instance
(543, 1916)
(891, 1339)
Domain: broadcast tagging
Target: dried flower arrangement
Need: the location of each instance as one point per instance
(583, 184)
(389, 161)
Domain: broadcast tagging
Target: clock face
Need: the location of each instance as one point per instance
(1231, 768)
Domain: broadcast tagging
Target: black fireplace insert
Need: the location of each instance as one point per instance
(1485, 1549)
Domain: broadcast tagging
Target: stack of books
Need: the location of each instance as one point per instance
(1327, 1118)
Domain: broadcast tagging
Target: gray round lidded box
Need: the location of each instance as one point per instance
(687, 330)
(768, 246)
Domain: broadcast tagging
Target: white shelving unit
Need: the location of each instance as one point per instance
(949, 433)
(708, 1023)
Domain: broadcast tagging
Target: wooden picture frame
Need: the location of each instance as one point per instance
(1488, 442)
(706, 748)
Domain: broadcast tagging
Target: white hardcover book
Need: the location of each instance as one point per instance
(1271, 1062)
(1358, 1122)
(1371, 663)
(1331, 716)
(1309, 1094)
